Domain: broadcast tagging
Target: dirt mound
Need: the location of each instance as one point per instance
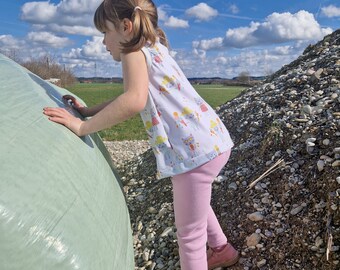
(288, 130)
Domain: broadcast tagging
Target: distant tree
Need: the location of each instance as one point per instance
(269, 72)
(46, 67)
(244, 77)
(12, 54)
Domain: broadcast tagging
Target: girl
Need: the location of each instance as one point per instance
(189, 140)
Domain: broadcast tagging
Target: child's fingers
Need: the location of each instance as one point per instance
(58, 115)
(69, 97)
(63, 117)
(55, 112)
(58, 120)
(72, 101)
(69, 100)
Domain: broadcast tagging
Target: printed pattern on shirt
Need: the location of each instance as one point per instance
(183, 130)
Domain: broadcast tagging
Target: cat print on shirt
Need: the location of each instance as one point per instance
(156, 55)
(192, 145)
(191, 116)
(214, 153)
(171, 83)
(202, 104)
(171, 158)
(179, 120)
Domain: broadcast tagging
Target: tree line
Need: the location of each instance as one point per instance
(46, 67)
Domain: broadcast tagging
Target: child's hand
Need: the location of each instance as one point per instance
(62, 116)
(75, 104)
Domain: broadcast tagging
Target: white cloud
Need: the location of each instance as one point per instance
(221, 60)
(171, 22)
(92, 58)
(256, 62)
(282, 27)
(174, 22)
(283, 50)
(162, 15)
(331, 11)
(67, 16)
(202, 12)
(46, 38)
(209, 44)
(241, 37)
(92, 49)
(79, 6)
(234, 9)
(277, 28)
(74, 30)
(200, 53)
(8, 41)
(38, 12)
(95, 48)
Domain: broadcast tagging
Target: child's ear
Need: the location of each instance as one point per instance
(127, 26)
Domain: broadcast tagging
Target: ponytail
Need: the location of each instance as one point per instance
(143, 31)
(144, 18)
(162, 37)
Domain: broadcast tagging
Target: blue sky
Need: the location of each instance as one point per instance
(207, 38)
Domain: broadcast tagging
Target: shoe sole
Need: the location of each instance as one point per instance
(226, 264)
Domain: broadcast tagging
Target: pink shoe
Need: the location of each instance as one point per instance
(226, 257)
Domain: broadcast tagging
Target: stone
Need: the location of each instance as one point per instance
(336, 163)
(253, 239)
(320, 164)
(256, 216)
(261, 263)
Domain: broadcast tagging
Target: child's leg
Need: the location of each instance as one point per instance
(216, 237)
(192, 194)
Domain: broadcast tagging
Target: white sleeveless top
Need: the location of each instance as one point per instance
(183, 130)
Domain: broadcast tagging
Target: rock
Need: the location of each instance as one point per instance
(261, 263)
(336, 163)
(320, 164)
(253, 239)
(256, 216)
(297, 209)
(232, 186)
(152, 210)
(166, 232)
(326, 142)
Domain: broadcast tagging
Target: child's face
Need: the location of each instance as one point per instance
(112, 39)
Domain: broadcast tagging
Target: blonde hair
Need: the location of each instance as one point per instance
(144, 18)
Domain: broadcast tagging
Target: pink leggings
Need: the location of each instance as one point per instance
(195, 220)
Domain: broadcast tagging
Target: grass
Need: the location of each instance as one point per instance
(133, 128)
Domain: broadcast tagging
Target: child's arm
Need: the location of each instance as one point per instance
(83, 110)
(132, 101)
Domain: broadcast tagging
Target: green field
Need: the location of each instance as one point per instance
(133, 129)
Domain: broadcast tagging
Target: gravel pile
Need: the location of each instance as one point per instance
(278, 198)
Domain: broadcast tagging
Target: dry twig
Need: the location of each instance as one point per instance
(280, 163)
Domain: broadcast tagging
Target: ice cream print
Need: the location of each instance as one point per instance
(171, 83)
(163, 146)
(192, 116)
(179, 120)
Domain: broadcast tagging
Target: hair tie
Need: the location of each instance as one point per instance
(137, 7)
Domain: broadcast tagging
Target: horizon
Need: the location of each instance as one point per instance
(229, 38)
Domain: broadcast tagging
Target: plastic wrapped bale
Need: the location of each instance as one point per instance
(61, 202)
